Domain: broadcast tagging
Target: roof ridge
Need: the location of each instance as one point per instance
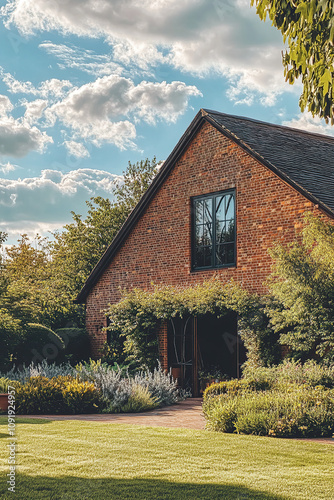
(268, 124)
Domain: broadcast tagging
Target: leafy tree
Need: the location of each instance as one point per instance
(308, 28)
(80, 245)
(302, 287)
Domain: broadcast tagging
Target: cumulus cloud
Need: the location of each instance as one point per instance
(17, 137)
(305, 121)
(49, 88)
(93, 111)
(58, 193)
(222, 36)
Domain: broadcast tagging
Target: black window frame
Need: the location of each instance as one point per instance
(213, 264)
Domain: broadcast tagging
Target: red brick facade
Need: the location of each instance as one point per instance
(158, 249)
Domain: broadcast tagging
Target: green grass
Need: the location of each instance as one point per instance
(100, 461)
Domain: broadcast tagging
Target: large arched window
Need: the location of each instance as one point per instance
(214, 230)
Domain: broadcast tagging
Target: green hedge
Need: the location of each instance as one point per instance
(296, 411)
(41, 395)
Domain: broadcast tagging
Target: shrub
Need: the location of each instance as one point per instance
(296, 411)
(161, 386)
(56, 395)
(234, 386)
(292, 372)
(116, 386)
(80, 397)
(43, 369)
(4, 383)
(39, 395)
(220, 415)
(140, 400)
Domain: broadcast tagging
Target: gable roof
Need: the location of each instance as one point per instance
(303, 159)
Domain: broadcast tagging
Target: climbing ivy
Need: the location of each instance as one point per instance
(139, 314)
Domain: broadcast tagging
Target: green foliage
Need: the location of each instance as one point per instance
(291, 372)
(82, 242)
(308, 28)
(39, 280)
(62, 394)
(137, 316)
(234, 386)
(140, 400)
(76, 345)
(288, 400)
(4, 383)
(301, 311)
(292, 411)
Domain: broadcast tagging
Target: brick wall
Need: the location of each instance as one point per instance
(159, 248)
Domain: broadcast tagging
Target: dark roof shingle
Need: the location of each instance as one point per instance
(305, 160)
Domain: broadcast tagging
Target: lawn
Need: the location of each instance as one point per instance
(100, 461)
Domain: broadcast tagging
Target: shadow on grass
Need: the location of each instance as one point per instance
(75, 488)
(24, 420)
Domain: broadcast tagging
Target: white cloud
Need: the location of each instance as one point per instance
(93, 111)
(49, 199)
(76, 149)
(17, 139)
(5, 168)
(34, 110)
(49, 88)
(305, 121)
(196, 36)
(80, 59)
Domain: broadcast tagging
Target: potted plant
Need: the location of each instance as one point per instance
(4, 394)
(211, 376)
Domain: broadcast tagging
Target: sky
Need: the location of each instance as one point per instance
(88, 85)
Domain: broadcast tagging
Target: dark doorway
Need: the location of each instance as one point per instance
(204, 345)
(220, 349)
(181, 350)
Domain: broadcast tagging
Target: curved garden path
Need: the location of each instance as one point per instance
(186, 414)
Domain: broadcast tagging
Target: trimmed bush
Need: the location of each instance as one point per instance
(297, 411)
(41, 395)
(233, 387)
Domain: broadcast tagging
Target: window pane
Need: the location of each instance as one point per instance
(199, 257)
(220, 231)
(207, 258)
(199, 212)
(220, 208)
(207, 240)
(229, 252)
(229, 200)
(199, 235)
(225, 254)
(207, 210)
(229, 233)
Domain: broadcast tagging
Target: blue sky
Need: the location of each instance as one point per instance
(86, 86)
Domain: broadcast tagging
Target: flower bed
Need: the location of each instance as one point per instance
(89, 388)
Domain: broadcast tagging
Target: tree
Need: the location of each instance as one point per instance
(80, 245)
(308, 28)
(302, 287)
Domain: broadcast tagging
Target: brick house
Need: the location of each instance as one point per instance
(229, 190)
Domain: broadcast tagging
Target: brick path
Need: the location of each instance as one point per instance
(186, 414)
